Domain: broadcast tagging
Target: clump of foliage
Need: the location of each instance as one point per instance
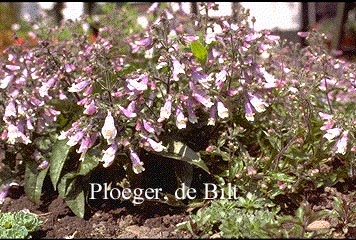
(205, 94)
(18, 225)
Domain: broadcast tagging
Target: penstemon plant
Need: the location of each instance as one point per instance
(213, 93)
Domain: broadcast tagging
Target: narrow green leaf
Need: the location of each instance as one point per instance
(34, 179)
(199, 51)
(180, 151)
(58, 157)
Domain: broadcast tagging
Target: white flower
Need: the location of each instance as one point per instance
(109, 155)
(223, 112)
(332, 133)
(341, 144)
(109, 131)
(258, 103)
(181, 120)
(156, 146)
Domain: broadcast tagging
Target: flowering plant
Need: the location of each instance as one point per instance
(214, 93)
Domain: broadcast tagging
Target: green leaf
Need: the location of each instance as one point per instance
(90, 162)
(34, 179)
(58, 157)
(199, 51)
(76, 199)
(70, 188)
(180, 151)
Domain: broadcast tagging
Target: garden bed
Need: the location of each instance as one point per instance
(110, 220)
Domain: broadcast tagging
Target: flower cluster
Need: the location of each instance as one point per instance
(122, 93)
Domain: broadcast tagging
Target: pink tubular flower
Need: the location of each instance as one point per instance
(191, 114)
(69, 67)
(10, 110)
(200, 97)
(5, 82)
(109, 131)
(85, 144)
(109, 155)
(332, 133)
(156, 146)
(139, 84)
(129, 111)
(271, 81)
(325, 116)
(148, 126)
(79, 86)
(166, 110)
(341, 144)
(211, 119)
(12, 67)
(12, 133)
(177, 68)
(73, 140)
(257, 103)
(88, 91)
(181, 120)
(223, 112)
(43, 165)
(249, 114)
(137, 165)
(90, 109)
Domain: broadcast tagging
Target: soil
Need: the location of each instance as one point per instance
(123, 220)
(107, 221)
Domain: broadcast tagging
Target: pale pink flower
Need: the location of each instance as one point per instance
(249, 114)
(12, 67)
(302, 34)
(12, 133)
(327, 125)
(147, 126)
(88, 91)
(325, 116)
(252, 36)
(79, 86)
(137, 165)
(257, 103)
(109, 155)
(271, 81)
(109, 131)
(200, 97)
(44, 164)
(69, 67)
(139, 84)
(10, 110)
(5, 82)
(156, 146)
(153, 7)
(177, 68)
(29, 124)
(191, 114)
(129, 111)
(90, 109)
(251, 171)
(211, 119)
(332, 133)
(85, 144)
(166, 110)
(181, 120)
(341, 144)
(223, 112)
(74, 139)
